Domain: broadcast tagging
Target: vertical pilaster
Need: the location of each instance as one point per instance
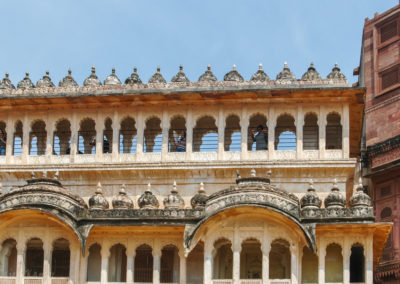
(47, 250)
(346, 261)
(236, 255)
(130, 266)
(244, 125)
(266, 247)
(322, 130)
(321, 262)
(182, 268)
(346, 131)
(164, 129)
(293, 264)
(99, 137)
(207, 263)
(299, 132)
(49, 137)
(74, 138)
(369, 260)
(25, 140)
(74, 265)
(21, 248)
(139, 140)
(156, 265)
(221, 134)
(271, 133)
(82, 264)
(10, 139)
(189, 134)
(105, 254)
(115, 136)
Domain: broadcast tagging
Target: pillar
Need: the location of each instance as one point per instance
(266, 247)
(189, 135)
(271, 121)
(322, 130)
(293, 264)
(236, 255)
(74, 265)
(140, 129)
(221, 134)
(244, 125)
(10, 139)
(299, 132)
(99, 137)
(321, 263)
(156, 265)
(21, 248)
(130, 265)
(208, 257)
(164, 131)
(105, 254)
(49, 137)
(369, 260)
(25, 140)
(47, 250)
(346, 262)
(74, 138)
(346, 132)
(182, 268)
(115, 137)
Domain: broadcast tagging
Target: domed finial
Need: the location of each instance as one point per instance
(335, 182)
(238, 174)
(253, 173)
(113, 70)
(174, 188)
(158, 69)
(360, 186)
(44, 174)
(93, 70)
(122, 190)
(148, 187)
(27, 74)
(69, 71)
(311, 183)
(285, 65)
(99, 189)
(312, 64)
(7, 75)
(47, 72)
(56, 175)
(180, 67)
(208, 67)
(234, 67)
(135, 69)
(260, 67)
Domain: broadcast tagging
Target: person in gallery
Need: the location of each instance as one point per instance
(180, 141)
(260, 137)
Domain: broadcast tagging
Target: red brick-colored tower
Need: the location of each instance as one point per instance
(379, 72)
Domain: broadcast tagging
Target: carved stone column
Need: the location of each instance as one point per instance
(99, 137)
(21, 248)
(140, 129)
(322, 130)
(156, 265)
(105, 254)
(189, 135)
(299, 132)
(293, 264)
(25, 140)
(369, 260)
(244, 125)
(164, 128)
(10, 139)
(74, 138)
(49, 138)
(208, 257)
(116, 126)
(346, 262)
(321, 262)
(236, 255)
(74, 264)
(271, 121)
(221, 134)
(130, 265)
(266, 248)
(47, 250)
(346, 132)
(182, 268)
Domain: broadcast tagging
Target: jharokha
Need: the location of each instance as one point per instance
(218, 182)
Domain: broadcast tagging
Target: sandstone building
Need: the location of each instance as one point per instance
(379, 73)
(96, 188)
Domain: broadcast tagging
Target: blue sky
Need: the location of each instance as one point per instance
(56, 35)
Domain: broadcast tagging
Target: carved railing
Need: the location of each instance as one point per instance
(59, 280)
(33, 280)
(8, 280)
(222, 281)
(250, 281)
(279, 281)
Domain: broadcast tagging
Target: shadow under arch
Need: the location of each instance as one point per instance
(194, 233)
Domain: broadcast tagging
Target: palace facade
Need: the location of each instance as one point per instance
(211, 181)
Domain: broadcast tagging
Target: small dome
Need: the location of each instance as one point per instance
(233, 75)
(180, 77)
(26, 83)
(92, 80)
(122, 201)
(286, 74)
(208, 76)
(147, 200)
(260, 75)
(311, 198)
(157, 77)
(45, 82)
(134, 78)
(200, 199)
(97, 201)
(311, 74)
(174, 200)
(360, 199)
(112, 79)
(6, 83)
(68, 81)
(335, 199)
(336, 73)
